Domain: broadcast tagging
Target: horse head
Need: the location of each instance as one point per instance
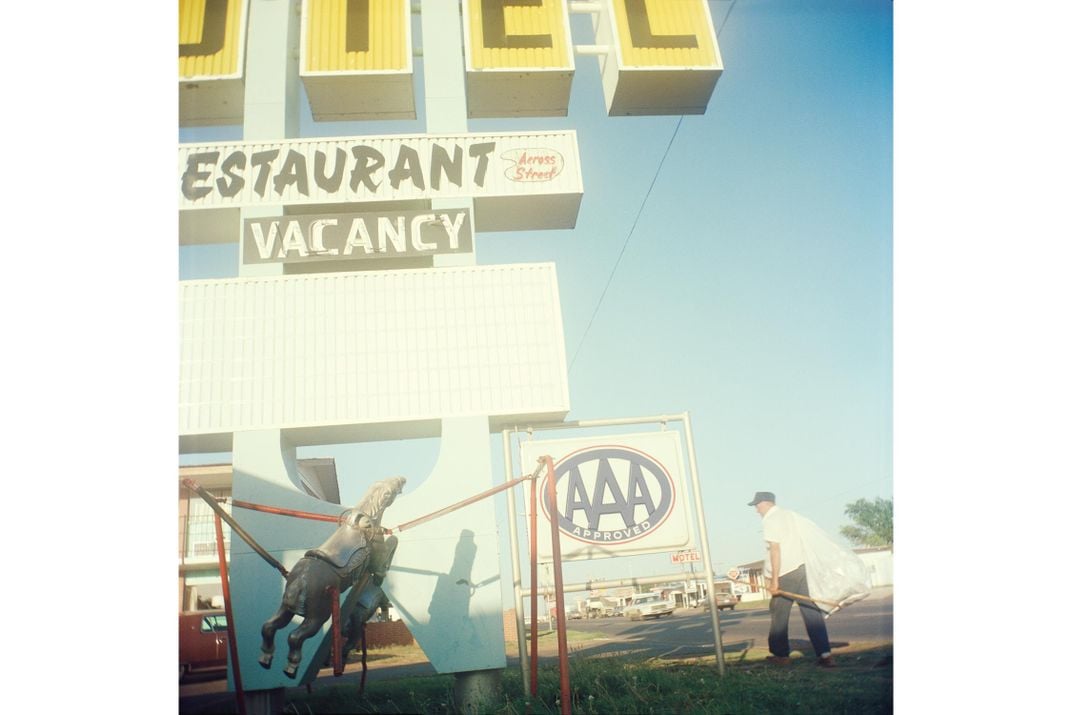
(380, 496)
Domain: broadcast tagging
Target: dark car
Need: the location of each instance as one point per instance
(722, 600)
(202, 641)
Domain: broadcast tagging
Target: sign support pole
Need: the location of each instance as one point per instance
(560, 598)
(519, 606)
(708, 571)
(232, 644)
(534, 635)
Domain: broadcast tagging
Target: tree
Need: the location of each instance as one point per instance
(873, 522)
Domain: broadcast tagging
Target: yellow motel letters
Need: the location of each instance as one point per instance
(210, 37)
(511, 34)
(356, 35)
(665, 33)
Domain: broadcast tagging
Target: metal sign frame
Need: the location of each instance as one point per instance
(697, 503)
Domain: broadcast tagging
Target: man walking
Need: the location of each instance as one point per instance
(786, 534)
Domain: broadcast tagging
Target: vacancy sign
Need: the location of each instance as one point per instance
(617, 495)
(333, 237)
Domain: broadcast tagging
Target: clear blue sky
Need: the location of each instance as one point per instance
(755, 291)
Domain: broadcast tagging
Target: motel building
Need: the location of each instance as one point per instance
(199, 573)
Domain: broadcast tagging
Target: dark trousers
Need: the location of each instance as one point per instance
(796, 581)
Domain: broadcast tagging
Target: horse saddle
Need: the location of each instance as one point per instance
(341, 548)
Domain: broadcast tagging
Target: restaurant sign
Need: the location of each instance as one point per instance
(384, 168)
(397, 234)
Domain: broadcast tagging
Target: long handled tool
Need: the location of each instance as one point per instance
(837, 605)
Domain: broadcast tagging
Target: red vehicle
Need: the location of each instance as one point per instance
(202, 641)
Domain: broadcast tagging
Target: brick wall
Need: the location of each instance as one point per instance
(509, 626)
(381, 635)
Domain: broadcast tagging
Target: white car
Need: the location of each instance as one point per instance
(648, 605)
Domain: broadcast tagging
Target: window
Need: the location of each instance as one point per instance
(200, 537)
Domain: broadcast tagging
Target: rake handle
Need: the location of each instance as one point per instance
(797, 596)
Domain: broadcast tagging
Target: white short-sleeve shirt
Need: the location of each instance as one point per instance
(780, 526)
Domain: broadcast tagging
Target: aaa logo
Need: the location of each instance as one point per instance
(613, 495)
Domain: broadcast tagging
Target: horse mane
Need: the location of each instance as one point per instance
(380, 496)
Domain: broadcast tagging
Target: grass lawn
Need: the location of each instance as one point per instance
(861, 684)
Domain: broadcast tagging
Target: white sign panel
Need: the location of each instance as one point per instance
(617, 495)
(332, 353)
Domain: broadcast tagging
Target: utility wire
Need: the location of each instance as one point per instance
(640, 212)
(625, 245)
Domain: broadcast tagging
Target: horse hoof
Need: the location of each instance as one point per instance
(265, 660)
(291, 671)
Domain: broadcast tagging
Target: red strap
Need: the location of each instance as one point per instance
(336, 634)
(364, 659)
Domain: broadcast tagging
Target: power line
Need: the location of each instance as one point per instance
(640, 212)
(625, 244)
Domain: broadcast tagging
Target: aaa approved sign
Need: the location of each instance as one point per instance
(617, 496)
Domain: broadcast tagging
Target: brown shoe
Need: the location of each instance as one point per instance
(827, 661)
(778, 660)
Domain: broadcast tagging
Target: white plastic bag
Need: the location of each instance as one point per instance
(836, 576)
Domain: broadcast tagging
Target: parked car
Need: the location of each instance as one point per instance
(648, 605)
(597, 607)
(202, 641)
(722, 600)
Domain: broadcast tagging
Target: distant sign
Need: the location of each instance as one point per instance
(684, 557)
(615, 497)
(397, 234)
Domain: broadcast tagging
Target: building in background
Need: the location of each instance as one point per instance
(879, 561)
(199, 574)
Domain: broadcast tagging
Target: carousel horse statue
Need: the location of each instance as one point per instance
(357, 549)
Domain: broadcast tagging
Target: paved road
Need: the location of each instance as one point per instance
(685, 633)
(688, 632)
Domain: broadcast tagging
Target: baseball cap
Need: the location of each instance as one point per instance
(762, 496)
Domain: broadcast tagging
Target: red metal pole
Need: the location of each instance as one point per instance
(364, 658)
(560, 597)
(336, 634)
(232, 642)
(458, 505)
(235, 528)
(533, 634)
(284, 512)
